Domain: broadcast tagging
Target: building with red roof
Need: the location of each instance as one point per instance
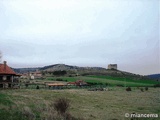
(8, 78)
(78, 83)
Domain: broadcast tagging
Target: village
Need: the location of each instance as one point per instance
(10, 79)
(13, 80)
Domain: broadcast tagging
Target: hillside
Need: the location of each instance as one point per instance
(57, 67)
(68, 67)
(154, 77)
(74, 70)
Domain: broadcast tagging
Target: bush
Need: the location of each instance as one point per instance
(146, 88)
(37, 87)
(50, 78)
(60, 73)
(128, 89)
(142, 90)
(59, 79)
(26, 85)
(70, 76)
(61, 105)
(120, 85)
(156, 85)
(106, 84)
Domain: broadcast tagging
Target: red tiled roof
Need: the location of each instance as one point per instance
(5, 69)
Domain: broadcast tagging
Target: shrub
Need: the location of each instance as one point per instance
(59, 79)
(26, 85)
(70, 76)
(50, 78)
(128, 89)
(60, 73)
(146, 88)
(142, 89)
(120, 85)
(37, 87)
(61, 105)
(157, 85)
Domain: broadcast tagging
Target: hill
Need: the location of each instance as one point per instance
(76, 70)
(25, 70)
(68, 67)
(73, 69)
(91, 75)
(154, 76)
(57, 67)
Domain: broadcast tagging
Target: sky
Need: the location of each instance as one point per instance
(36, 33)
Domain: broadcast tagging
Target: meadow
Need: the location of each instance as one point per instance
(37, 104)
(109, 80)
(29, 103)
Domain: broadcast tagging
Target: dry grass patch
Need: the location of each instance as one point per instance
(88, 105)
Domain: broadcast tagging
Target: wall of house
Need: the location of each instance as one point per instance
(7, 81)
(5, 78)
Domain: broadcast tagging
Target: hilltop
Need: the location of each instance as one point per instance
(68, 67)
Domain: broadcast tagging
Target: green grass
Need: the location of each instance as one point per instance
(7, 111)
(5, 99)
(111, 81)
(11, 115)
(128, 79)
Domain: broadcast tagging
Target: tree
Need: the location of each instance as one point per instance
(59, 73)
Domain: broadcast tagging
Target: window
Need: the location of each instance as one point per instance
(1, 78)
(4, 78)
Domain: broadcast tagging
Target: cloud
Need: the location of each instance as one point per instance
(80, 32)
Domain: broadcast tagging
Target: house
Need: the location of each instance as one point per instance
(8, 78)
(71, 83)
(78, 83)
(35, 75)
(81, 83)
(32, 75)
(25, 76)
(57, 85)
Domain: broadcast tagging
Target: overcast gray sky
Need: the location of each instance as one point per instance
(81, 32)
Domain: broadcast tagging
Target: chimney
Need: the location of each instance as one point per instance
(5, 63)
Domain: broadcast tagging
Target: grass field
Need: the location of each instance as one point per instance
(32, 104)
(111, 81)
